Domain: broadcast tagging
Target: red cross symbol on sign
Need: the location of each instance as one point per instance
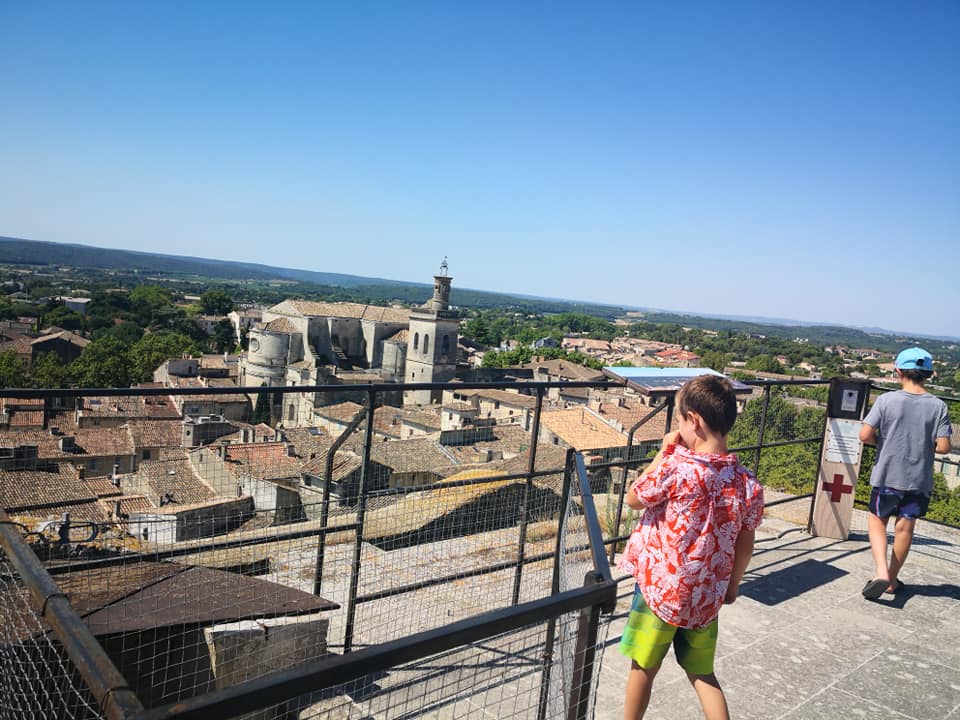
(837, 488)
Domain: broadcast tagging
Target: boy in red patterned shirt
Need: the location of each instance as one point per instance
(691, 547)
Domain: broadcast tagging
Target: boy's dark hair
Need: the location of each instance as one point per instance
(917, 376)
(712, 398)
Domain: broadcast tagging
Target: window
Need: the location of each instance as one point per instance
(446, 345)
(426, 344)
(291, 412)
(416, 341)
(146, 454)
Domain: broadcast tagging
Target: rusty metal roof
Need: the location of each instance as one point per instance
(149, 595)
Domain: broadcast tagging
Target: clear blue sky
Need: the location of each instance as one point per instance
(781, 159)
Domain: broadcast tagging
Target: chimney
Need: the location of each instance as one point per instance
(223, 450)
(66, 443)
(116, 509)
(291, 451)
(81, 472)
(115, 478)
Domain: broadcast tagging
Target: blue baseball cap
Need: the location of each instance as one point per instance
(914, 359)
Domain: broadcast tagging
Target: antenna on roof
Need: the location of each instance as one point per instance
(443, 266)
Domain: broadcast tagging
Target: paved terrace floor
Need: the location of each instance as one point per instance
(802, 643)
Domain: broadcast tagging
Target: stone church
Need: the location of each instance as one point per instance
(305, 343)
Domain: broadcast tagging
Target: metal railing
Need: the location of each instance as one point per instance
(527, 599)
(414, 577)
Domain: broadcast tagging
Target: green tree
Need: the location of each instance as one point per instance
(764, 363)
(223, 339)
(64, 317)
(153, 349)
(215, 302)
(261, 410)
(47, 371)
(104, 363)
(13, 372)
(150, 304)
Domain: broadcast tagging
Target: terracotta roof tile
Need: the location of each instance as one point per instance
(581, 429)
(24, 489)
(309, 308)
(156, 433)
(265, 460)
(176, 476)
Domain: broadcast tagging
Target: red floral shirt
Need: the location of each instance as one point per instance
(681, 552)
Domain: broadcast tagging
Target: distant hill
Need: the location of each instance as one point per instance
(358, 288)
(17, 251)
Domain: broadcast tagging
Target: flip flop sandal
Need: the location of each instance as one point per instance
(874, 589)
(899, 587)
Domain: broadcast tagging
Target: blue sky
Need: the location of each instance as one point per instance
(782, 159)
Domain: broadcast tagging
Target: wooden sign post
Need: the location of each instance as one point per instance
(832, 507)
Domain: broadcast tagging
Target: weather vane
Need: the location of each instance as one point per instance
(443, 266)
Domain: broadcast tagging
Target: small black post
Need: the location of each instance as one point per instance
(555, 588)
(325, 503)
(527, 490)
(361, 511)
(584, 657)
(615, 533)
(763, 427)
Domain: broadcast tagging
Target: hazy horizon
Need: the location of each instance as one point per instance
(783, 322)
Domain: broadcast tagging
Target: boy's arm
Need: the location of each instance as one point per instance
(632, 499)
(743, 551)
(942, 446)
(868, 434)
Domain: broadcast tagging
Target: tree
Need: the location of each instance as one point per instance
(104, 363)
(261, 411)
(47, 371)
(13, 372)
(223, 339)
(150, 303)
(153, 349)
(764, 363)
(215, 302)
(64, 317)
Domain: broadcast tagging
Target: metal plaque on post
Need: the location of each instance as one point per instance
(832, 507)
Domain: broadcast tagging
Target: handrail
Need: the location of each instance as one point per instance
(331, 671)
(106, 684)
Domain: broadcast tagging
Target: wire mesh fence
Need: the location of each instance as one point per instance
(206, 554)
(376, 562)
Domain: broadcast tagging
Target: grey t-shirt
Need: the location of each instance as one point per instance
(907, 426)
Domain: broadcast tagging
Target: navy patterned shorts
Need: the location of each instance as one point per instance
(885, 502)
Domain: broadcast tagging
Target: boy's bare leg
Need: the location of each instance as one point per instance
(637, 696)
(711, 697)
(877, 530)
(902, 539)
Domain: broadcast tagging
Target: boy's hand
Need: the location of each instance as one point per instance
(731, 594)
(672, 438)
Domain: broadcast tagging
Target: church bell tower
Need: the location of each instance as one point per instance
(432, 342)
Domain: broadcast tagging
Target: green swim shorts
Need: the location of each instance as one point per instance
(646, 640)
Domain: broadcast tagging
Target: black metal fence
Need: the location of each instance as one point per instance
(375, 562)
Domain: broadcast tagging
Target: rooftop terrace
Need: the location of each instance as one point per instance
(479, 589)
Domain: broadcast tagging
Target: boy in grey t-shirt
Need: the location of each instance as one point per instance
(908, 426)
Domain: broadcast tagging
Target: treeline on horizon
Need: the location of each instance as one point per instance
(246, 282)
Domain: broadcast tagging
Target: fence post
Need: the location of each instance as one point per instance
(325, 503)
(615, 532)
(763, 427)
(555, 587)
(584, 656)
(361, 512)
(527, 489)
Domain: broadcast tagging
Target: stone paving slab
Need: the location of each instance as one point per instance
(802, 643)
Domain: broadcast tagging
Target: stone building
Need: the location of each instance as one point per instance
(305, 343)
